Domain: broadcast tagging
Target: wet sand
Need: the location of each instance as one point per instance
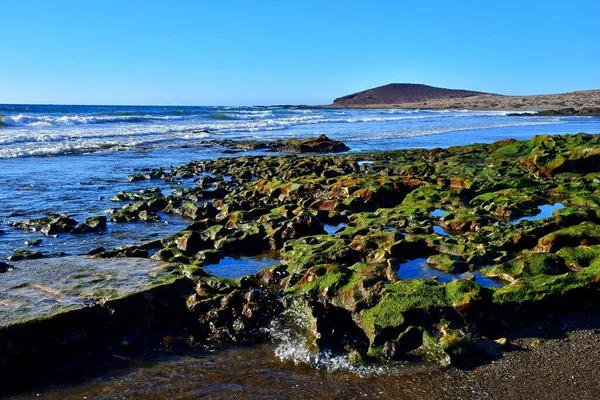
(560, 360)
(556, 358)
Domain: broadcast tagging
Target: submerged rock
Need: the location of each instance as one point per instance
(320, 144)
(24, 254)
(62, 223)
(4, 267)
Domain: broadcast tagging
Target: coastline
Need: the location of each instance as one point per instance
(558, 359)
(493, 102)
(346, 257)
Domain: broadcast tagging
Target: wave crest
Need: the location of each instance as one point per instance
(25, 120)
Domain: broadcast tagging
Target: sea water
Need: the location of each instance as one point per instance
(72, 159)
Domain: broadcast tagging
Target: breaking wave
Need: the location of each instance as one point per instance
(24, 120)
(55, 130)
(292, 347)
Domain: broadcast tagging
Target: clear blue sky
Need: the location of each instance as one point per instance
(273, 52)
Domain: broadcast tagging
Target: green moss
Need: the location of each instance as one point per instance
(528, 266)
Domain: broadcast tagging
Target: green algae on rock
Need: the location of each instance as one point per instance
(341, 288)
(347, 277)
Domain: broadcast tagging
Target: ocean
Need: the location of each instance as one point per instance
(72, 159)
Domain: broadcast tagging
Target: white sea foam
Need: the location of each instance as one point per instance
(292, 347)
(26, 133)
(51, 120)
(437, 131)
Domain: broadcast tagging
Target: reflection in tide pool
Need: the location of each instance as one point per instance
(438, 213)
(331, 229)
(440, 231)
(236, 267)
(545, 212)
(419, 269)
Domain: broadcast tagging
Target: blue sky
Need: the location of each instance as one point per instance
(282, 52)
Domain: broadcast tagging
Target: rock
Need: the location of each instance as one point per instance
(95, 251)
(143, 194)
(62, 223)
(321, 144)
(23, 254)
(340, 292)
(208, 257)
(192, 242)
(303, 224)
(198, 212)
(138, 304)
(121, 252)
(91, 224)
(448, 263)
(271, 276)
(233, 312)
(4, 267)
(140, 211)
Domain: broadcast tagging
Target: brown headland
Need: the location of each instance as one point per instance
(409, 95)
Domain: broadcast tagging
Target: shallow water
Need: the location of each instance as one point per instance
(419, 269)
(236, 267)
(331, 229)
(441, 231)
(43, 287)
(545, 211)
(250, 373)
(438, 213)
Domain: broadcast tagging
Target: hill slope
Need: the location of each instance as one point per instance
(396, 93)
(405, 95)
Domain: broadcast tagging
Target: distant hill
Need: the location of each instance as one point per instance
(397, 93)
(411, 95)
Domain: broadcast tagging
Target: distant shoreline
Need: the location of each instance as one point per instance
(406, 107)
(418, 96)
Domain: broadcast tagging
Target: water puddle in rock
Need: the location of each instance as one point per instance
(331, 229)
(546, 211)
(438, 213)
(236, 267)
(440, 231)
(365, 163)
(419, 269)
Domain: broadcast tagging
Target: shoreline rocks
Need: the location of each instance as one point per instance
(353, 292)
(320, 144)
(563, 112)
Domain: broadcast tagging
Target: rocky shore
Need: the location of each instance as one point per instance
(422, 254)
(407, 95)
(563, 112)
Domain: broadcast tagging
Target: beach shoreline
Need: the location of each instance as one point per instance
(378, 257)
(556, 357)
(490, 102)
